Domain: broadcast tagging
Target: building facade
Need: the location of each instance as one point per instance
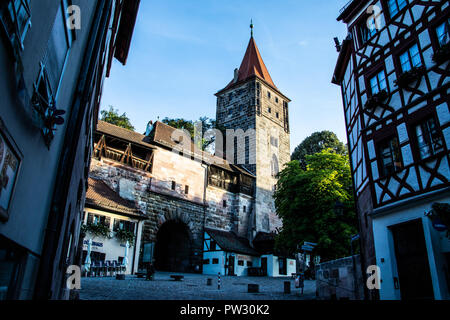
(54, 56)
(393, 69)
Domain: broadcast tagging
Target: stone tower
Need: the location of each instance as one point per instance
(257, 111)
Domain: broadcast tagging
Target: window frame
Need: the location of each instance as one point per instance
(375, 74)
(415, 142)
(407, 52)
(11, 144)
(382, 171)
(399, 10)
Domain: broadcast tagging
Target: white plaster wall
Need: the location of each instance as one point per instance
(384, 248)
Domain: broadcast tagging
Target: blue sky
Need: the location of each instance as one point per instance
(184, 51)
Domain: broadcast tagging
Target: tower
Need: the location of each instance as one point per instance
(255, 111)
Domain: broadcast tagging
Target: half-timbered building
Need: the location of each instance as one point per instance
(393, 69)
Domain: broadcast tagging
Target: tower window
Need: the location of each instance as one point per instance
(173, 185)
(186, 189)
(277, 115)
(276, 99)
(244, 209)
(247, 150)
(268, 94)
(224, 203)
(274, 166)
(269, 110)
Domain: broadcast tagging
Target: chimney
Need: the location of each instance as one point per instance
(236, 75)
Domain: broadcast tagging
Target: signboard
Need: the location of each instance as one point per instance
(311, 244)
(355, 237)
(307, 248)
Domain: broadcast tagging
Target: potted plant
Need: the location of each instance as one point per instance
(442, 54)
(376, 100)
(97, 230)
(124, 235)
(410, 76)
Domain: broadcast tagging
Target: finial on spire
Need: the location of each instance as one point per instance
(251, 28)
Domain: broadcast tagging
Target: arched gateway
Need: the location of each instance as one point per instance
(173, 247)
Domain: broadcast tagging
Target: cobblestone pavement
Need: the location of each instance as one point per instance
(193, 287)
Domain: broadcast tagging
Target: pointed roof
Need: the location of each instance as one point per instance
(252, 65)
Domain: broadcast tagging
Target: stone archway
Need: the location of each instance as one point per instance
(173, 247)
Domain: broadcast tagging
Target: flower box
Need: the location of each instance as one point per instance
(442, 54)
(408, 77)
(376, 100)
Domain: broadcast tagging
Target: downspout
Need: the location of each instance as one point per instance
(135, 245)
(205, 185)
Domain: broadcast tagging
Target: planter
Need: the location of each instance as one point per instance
(376, 100)
(409, 77)
(442, 54)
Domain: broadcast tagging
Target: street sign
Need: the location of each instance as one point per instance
(311, 244)
(355, 237)
(307, 248)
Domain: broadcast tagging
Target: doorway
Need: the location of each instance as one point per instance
(412, 261)
(173, 248)
(264, 266)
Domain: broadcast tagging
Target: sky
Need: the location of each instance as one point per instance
(184, 51)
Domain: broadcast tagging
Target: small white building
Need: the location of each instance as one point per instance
(121, 217)
(226, 253)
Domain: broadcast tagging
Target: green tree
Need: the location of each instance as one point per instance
(112, 116)
(315, 143)
(306, 201)
(189, 125)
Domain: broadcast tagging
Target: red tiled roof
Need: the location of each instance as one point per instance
(252, 65)
(100, 195)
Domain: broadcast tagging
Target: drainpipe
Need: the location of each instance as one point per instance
(205, 184)
(135, 246)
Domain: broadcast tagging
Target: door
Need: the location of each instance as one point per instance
(282, 266)
(412, 261)
(264, 266)
(231, 265)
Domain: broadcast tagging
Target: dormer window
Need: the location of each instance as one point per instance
(395, 6)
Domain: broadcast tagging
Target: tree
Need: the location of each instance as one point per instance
(112, 116)
(315, 143)
(306, 201)
(190, 126)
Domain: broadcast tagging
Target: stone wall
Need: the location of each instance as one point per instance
(336, 279)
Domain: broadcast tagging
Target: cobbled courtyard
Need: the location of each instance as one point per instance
(193, 287)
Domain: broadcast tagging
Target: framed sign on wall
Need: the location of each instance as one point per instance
(10, 160)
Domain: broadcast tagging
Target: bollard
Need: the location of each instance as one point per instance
(218, 282)
(209, 282)
(287, 287)
(253, 288)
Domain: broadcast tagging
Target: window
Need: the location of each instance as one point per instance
(269, 110)
(123, 225)
(268, 94)
(240, 262)
(443, 32)
(390, 159)
(276, 99)
(206, 261)
(395, 6)
(15, 16)
(428, 138)
(410, 59)
(235, 154)
(215, 261)
(186, 189)
(274, 142)
(378, 83)
(244, 209)
(224, 203)
(249, 264)
(174, 184)
(365, 32)
(9, 169)
(274, 166)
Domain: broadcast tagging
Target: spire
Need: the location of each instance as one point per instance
(252, 65)
(251, 28)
